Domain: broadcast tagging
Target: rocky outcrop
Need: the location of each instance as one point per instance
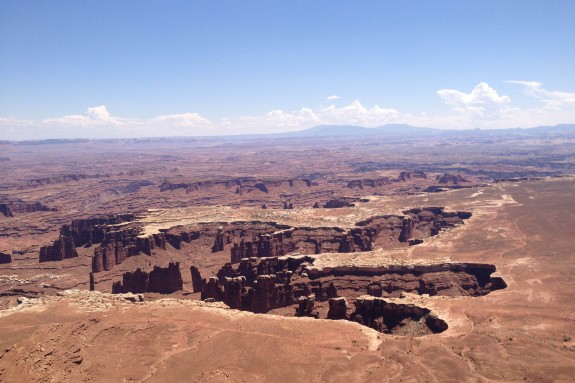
(134, 187)
(283, 242)
(373, 183)
(160, 280)
(218, 242)
(407, 226)
(119, 239)
(261, 187)
(448, 279)
(28, 207)
(337, 203)
(443, 188)
(196, 279)
(62, 248)
(211, 290)
(268, 283)
(63, 179)
(270, 291)
(89, 231)
(119, 245)
(385, 316)
(305, 307)
(264, 295)
(234, 292)
(5, 210)
(240, 185)
(5, 258)
(166, 280)
(86, 232)
(132, 282)
(408, 175)
(177, 235)
(337, 308)
(255, 285)
(450, 179)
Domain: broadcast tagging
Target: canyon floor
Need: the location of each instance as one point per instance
(519, 218)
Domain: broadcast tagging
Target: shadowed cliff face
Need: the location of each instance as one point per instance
(288, 278)
(261, 277)
(163, 280)
(276, 283)
(119, 237)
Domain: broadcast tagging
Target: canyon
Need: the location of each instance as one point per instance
(384, 260)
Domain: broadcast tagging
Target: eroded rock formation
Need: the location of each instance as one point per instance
(263, 284)
(28, 207)
(63, 179)
(386, 317)
(260, 239)
(337, 203)
(86, 232)
(5, 210)
(62, 248)
(196, 279)
(305, 307)
(450, 179)
(337, 308)
(407, 175)
(236, 185)
(377, 182)
(163, 280)
(121, 244)
(5, 258)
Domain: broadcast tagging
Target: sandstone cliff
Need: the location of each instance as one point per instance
(62, 248)
(5, 210)
(160, 280)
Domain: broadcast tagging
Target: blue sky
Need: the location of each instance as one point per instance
(160, 68)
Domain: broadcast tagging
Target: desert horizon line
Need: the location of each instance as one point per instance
(319, 130)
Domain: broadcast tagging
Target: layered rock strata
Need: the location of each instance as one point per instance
(121, 244)
(386, 317)
(160, 280)
(235, 185)
(262, 284)
(62, 248)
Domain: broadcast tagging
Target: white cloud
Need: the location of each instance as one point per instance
(181, 120)
(483, 107)
(95, 116)
(356, 113)
(97, 122)
(552, 100)
(333, 97)
(482, 102)
(99, 113)
(352, 114)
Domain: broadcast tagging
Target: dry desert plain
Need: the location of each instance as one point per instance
(288, 260)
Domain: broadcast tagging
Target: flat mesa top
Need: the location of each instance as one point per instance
(160, 219)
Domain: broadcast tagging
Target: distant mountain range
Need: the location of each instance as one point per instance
(392, 131)
(353, 130)
(403, 130)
